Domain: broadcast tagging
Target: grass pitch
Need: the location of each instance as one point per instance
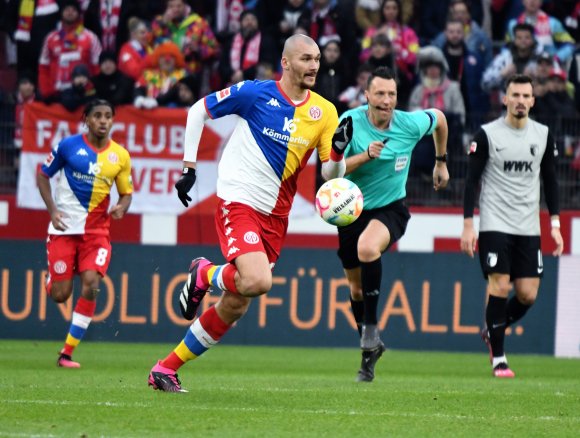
(282, 392)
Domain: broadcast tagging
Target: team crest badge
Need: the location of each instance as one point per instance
(472, 148)
(251, 237)
(534, 149)
(491, 259)
(60, 267)
(315, 112)
(113, 157)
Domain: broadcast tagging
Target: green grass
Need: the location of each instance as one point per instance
(288, 392)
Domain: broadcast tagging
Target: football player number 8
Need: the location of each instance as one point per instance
(101, 257)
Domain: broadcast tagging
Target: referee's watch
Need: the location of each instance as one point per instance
(442, 158)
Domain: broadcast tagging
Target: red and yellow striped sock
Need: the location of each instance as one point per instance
(204, 333)
(222, 276)
(81, 318)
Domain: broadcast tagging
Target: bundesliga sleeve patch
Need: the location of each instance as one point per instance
(472, 148)
(222, 94)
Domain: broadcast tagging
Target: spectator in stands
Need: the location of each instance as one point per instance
(555, 107)
(322, 21)
(109, 19)
(28, 27)
(568, 12)
(436, 90)
(432, 16)
(166, 67)
(403, 38)
(110, 83)
(476, 40)
(466, 67)
(80, 92)
(354, 96)
(382, 55)
(574, 77)
(190, 32)
(368, 14)
(63, 49)
(332, 77)
(519, 56)
(134, 52)
(248, 48)
(290, 19)
(502, 11)
(549, 31)
(328, 19)
(11, 119)
(182, 95)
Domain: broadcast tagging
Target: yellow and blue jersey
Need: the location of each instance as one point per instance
(271, 143)
(83, 190)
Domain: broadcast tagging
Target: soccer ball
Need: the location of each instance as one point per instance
(339, 202)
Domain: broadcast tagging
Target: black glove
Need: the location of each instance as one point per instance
(342, 135)
(184, 185)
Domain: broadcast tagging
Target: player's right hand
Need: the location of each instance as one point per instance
(184, 185)
(342, 135)
(57, 219)
(468, 241)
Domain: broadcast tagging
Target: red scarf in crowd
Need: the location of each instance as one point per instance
(251, 55)
(433, 97)
(110, 11)
(27, 11)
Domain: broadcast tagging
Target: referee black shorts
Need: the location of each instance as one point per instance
(394, 216)
(518, 256)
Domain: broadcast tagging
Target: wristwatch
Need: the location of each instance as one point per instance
(442, 158)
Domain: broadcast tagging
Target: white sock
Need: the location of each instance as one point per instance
(498, 360)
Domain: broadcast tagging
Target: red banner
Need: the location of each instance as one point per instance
(154, 139)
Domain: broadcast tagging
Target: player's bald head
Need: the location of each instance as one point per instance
(295, 42)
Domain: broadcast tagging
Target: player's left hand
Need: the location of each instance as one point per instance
(342, 135)
(184, 185)
(440, 175)
(117, 212)
(557, 236)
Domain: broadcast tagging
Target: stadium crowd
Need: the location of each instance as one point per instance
(453, 55)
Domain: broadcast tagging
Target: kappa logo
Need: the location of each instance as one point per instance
(233, 250)
(82, 152)
(231, 240)
(273, 102)
(228, 231)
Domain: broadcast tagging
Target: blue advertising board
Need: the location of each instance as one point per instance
(429, 301)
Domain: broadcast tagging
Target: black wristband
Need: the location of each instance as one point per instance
(369, 154)
(442, 158)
